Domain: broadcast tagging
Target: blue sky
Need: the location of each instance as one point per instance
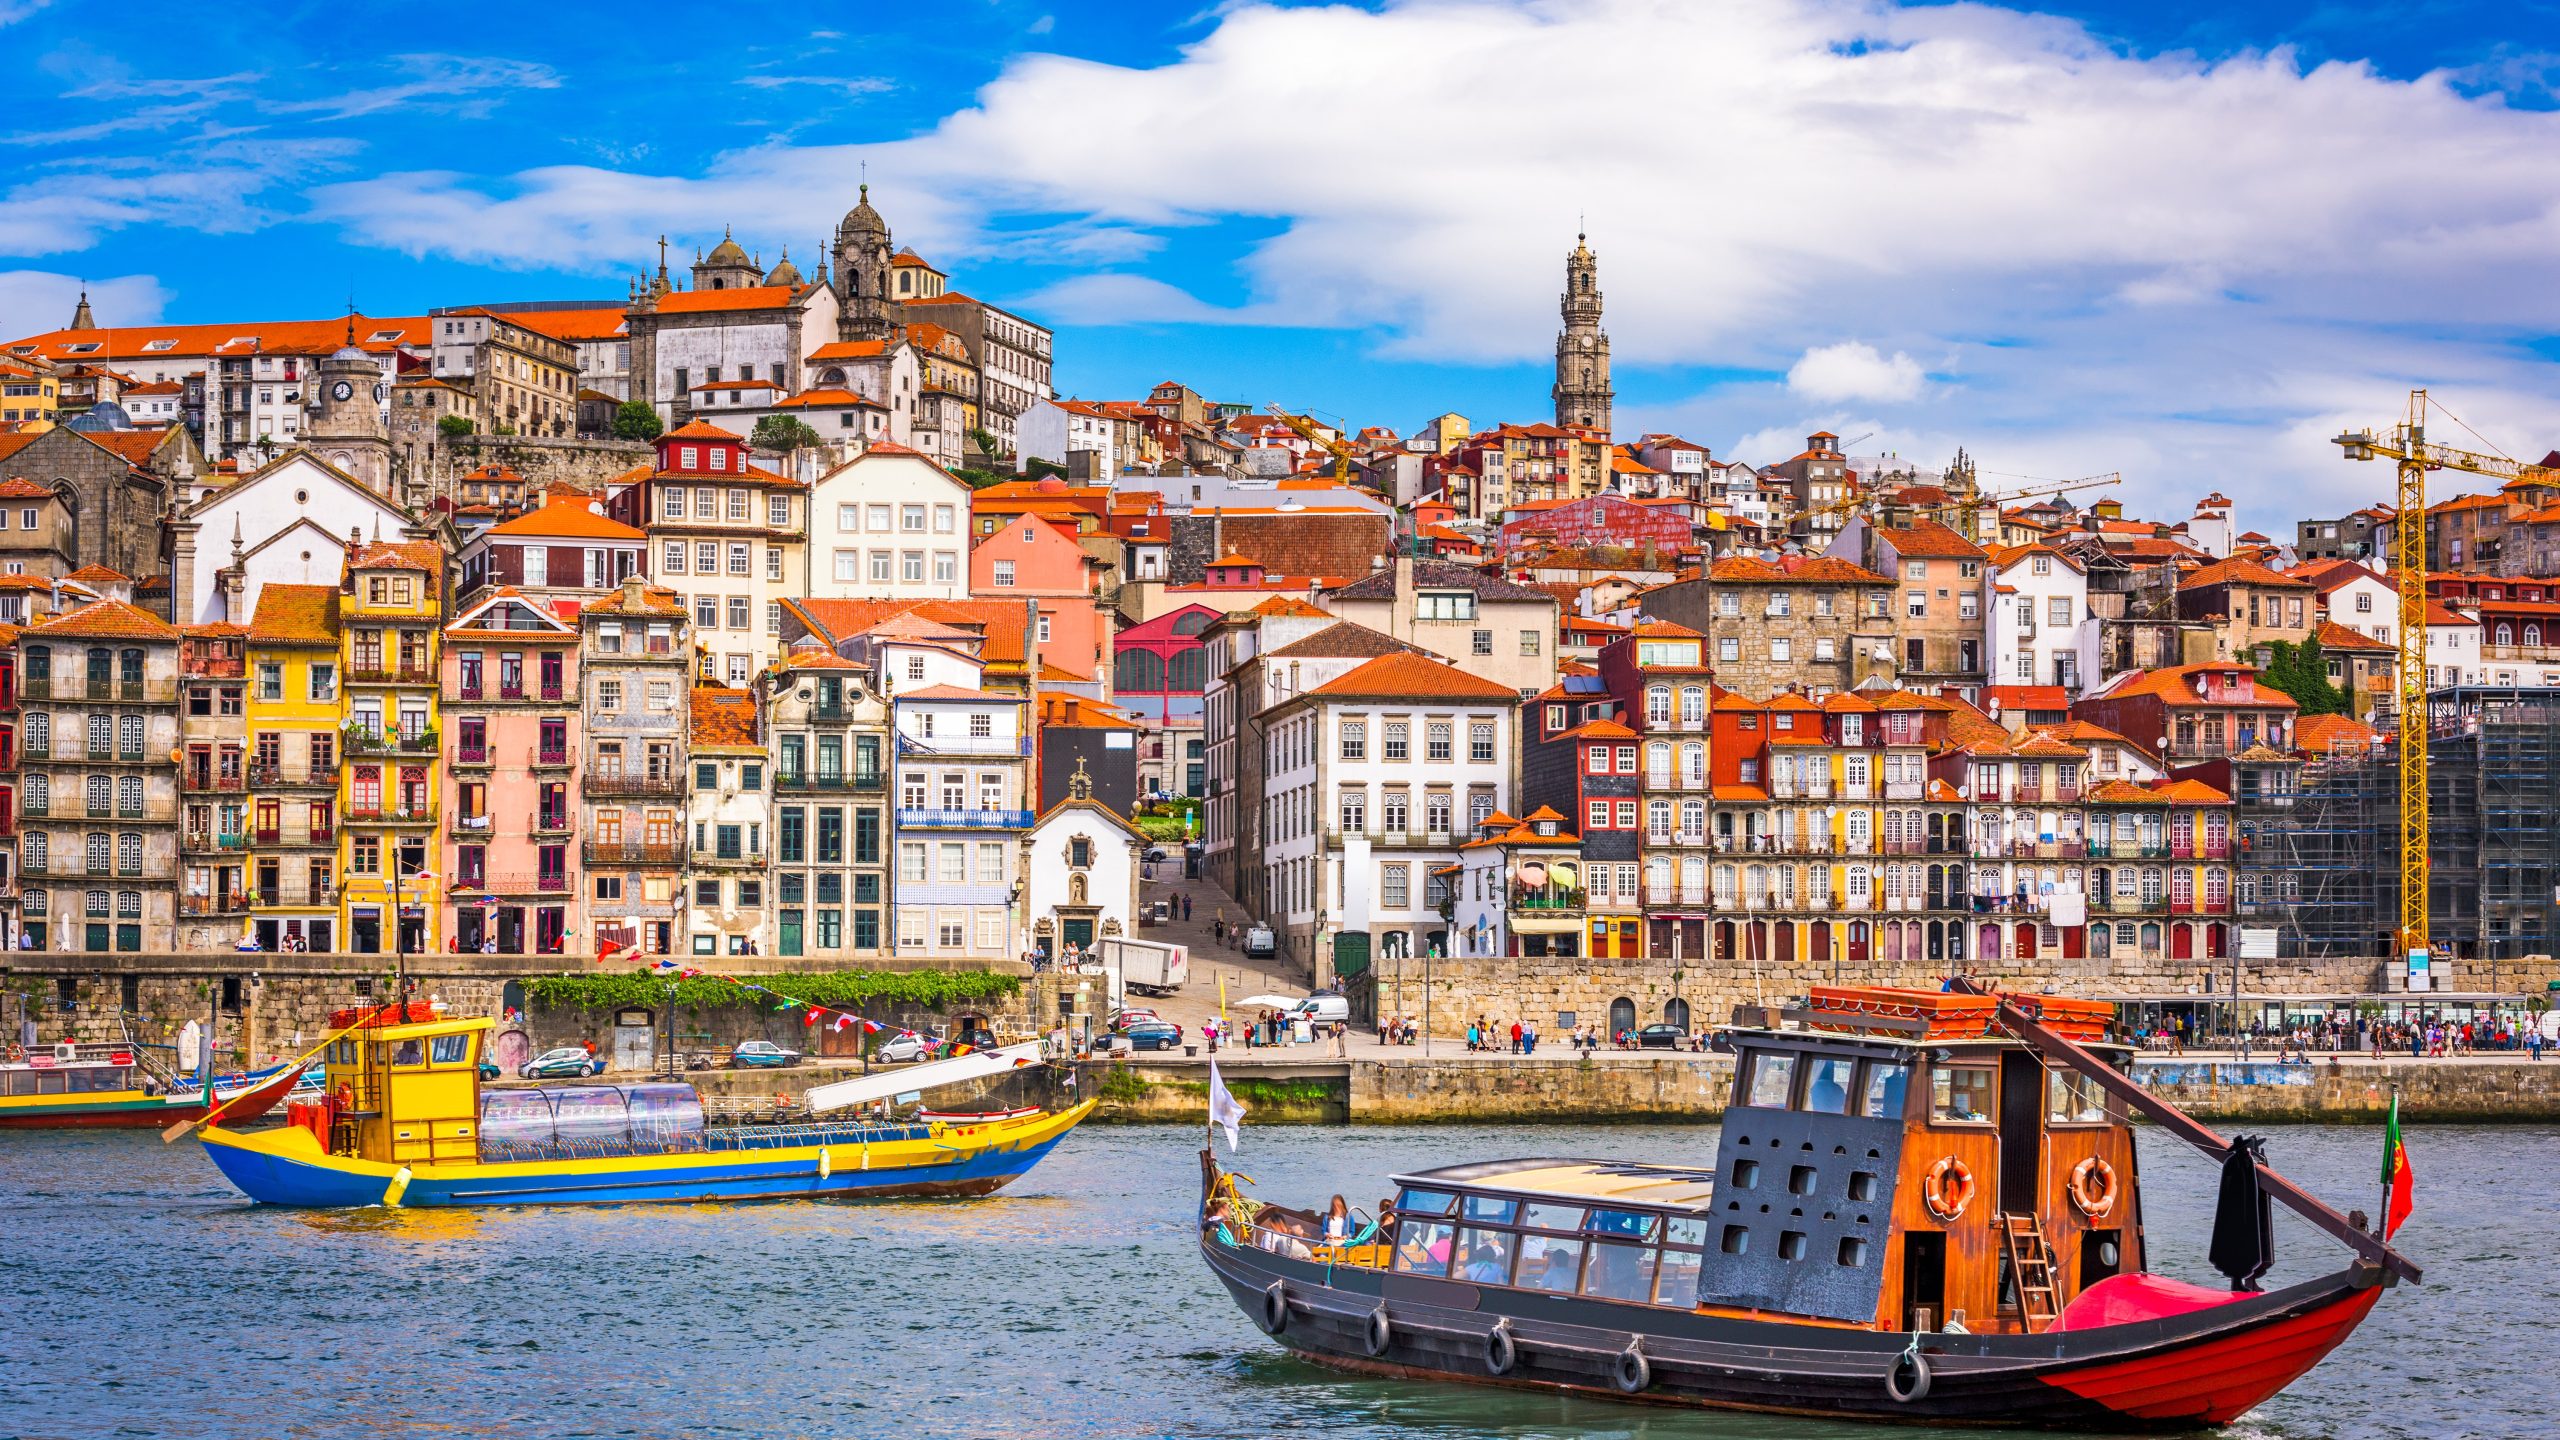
(2177, 240)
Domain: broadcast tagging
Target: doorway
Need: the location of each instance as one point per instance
(635, 1035)
(1924, 1279)
(2021, 1133)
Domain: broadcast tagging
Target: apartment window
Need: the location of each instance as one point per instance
(1436, 740)
(1480, 742)
(1394, 886)
(946, 570)
(739, 558)
(741, 612)
(1355, 740)
(1483, 642)
(1355, 811)
(1004, 572)
(1395, 746)
(778, 512)
(674, 498)
(706, 557)
(1781, 649)
(674, 557)
(1729, 648)
(911, 519)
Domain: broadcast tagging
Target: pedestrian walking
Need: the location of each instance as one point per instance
(1186, 909)
(1515, 1037)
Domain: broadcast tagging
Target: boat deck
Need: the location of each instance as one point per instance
(717, 1138)
(1674, 1187)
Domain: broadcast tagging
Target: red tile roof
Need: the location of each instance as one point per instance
(2241, 572)
(107, 620)
(723, 717)
(295, 615)
(567, 515)
(424, 555)
(1928, 540)
(1412, 676)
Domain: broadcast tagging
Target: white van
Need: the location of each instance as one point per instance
(1322, 1010)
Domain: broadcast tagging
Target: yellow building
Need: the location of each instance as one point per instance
(296, 705)
(30, 392)
(390, 615)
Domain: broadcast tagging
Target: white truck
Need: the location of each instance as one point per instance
(1150, 967)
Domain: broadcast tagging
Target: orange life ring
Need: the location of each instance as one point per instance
(1948, 1188)
(2093, 1187)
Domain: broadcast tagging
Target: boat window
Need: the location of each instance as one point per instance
(2072, 1098)
(1554, 1217)
(409, 1053)
(590, 1113)
(1631, 1224)
(1685, 1230)
(1422, 1247)
(1827, 1085)
(1773, 1076)
(1491, 1207)
(1619, 1272)
(1961, 1094)
(1484, 1257)
(51, 1082)
(1678, 1282)
(1886, 1082)
(450, 1049)
(1425, 1202)
(1547, 1264)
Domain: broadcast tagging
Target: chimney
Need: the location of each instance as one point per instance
(633, 590)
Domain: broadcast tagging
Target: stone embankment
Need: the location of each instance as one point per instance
(1685, 1087)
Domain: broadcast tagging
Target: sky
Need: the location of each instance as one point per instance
(2179, 241)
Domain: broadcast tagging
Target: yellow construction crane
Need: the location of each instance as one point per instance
(2407, 444)
(1343, 455)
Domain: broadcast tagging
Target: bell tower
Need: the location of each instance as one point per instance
(345, 426)
(862, 274)
(1582, 392)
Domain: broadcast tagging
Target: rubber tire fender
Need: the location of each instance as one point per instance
(1921, 1378)
(1501, 1352)
(1274, 1315)
(1633, 1373)
(1376, 1335)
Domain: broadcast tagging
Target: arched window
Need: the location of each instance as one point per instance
(102, 668)
(1138, 670)
(1693, 704)
(2533, 633)
(39, 733)
(2506, 633)
(1190, 670)
(1657, 705)
(1622, 1016)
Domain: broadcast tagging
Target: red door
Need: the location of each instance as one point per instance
(2182, 942)
(1859, 930)
(2216, 941)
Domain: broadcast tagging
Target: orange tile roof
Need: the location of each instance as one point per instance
(850, 350)
(1601, 729)
(2241, 572)
(568, 515)
(651, 601)
(701, 430)
(724, 717)
(744, 297)
(2190, 792)
(2172, 683)
(2122, 792)
(295, 615)
(424, 555)
(1928, 540)
(599, 323)
(107, 620)
(126, 342)
(2333, 636)
(810, 399)
(98, 575)
(1407, 675)
(2320, 734)
(18, 487)
(815, 657)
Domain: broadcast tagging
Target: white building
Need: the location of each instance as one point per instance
(2356, 597)
(1082, 862)
(962, 778)
(1371, 781)
(286, 522)
(729, 817)
(889, 524)
(1518, 890)
(2453, 649)
(1051, 430)
(2034, 599)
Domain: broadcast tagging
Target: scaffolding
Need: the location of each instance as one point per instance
(2494, 851)
(2319, 855)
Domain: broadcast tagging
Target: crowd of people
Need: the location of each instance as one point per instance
(2342, 1034)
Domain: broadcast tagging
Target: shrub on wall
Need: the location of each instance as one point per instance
(835, 990)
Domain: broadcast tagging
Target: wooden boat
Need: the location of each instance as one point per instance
(1923, 1208)
(105, 1085)
(406, 1123)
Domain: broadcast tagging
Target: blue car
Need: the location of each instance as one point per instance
(761, 1055)
(1152, 1035)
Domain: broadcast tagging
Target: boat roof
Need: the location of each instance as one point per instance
(419, 1029)
(1675, 1187)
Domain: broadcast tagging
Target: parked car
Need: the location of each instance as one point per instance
(760, 1055)
(1155, 852)
(1260, 943)
(569, 1062)
(1133, 1014)
(1153, 1035)
(1662, 1037)
(901, 1048)
(1322, 1009)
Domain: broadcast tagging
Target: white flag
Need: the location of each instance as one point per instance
(1225, 1110)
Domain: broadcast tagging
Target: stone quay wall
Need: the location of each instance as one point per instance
(1500, 990)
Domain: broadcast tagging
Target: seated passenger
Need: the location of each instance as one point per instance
(1337, 1222)
(1488, 1265)
(1825, 1096)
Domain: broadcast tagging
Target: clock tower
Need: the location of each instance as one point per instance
(345, 425)
(1582, 392)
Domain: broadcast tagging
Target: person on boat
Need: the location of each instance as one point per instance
(1825, 1096)
(1488, 1265)
(1337, 1221)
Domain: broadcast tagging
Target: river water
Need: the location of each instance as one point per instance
(143, 1298)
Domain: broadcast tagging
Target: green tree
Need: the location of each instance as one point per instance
(2302, 672)
(985, 441)
(637, 420)
(452, 427)
(784, 434)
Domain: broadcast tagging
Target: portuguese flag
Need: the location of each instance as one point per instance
(2398, 1185)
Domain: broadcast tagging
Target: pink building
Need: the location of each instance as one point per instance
(1033, 558)
(511, 719)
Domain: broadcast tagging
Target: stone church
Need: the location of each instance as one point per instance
(1582, 392)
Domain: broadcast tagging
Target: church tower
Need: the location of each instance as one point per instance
(345, 426)
(862, 274)
(1582, 392)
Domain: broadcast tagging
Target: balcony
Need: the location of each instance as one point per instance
(524, 882)
(1682, 896)
(376, 671)
(1546, 897)
(471, 757)
(624, 785)
(471, 827)
(198, 780)
(548, 759)
(994, 820)
(633, 852)
(295, 897)
(374, 742)
(712, 859)
(964, 745)
(859, 780)
(234, 902)
(2126, 850)
(277, 777)
(552, 822)
(421, 812)
(144, 692)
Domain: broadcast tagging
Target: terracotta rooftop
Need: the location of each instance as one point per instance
(295, 615)
(723, 717)
(1412, 676)
(107, 620)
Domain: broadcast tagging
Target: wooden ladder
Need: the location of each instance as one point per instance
(2031, 1267)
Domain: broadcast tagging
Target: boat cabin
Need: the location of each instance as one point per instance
(69, 1069)
(1889, 1160)
(404, 1087)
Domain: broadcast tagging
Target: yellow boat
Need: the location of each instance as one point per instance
(405, 1123)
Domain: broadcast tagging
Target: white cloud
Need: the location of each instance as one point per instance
(2154, 261)
(846, 84)
(1854, 370)
(34, 301)
(13, 11)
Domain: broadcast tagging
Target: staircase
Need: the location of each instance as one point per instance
(2031, 1265)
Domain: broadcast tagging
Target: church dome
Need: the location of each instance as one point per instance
(727, 252)
(783, 271)
(104, 416)
(862, 219)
